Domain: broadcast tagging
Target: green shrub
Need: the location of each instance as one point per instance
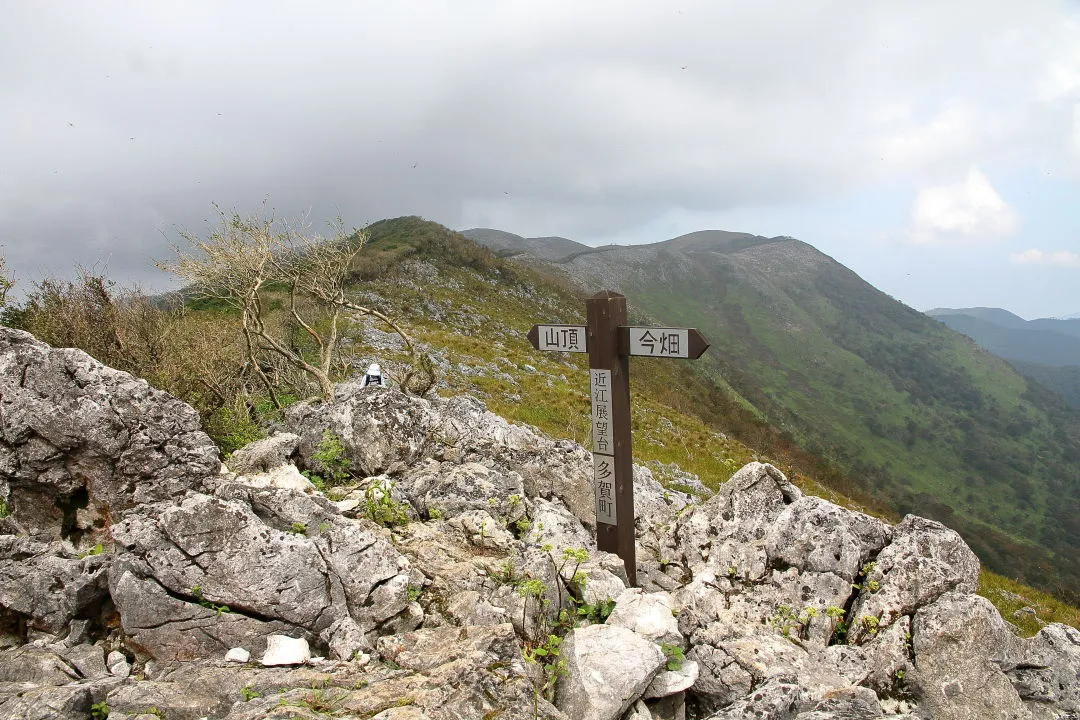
(329, 459)
(231, 430)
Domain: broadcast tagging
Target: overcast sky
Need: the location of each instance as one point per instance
(933, 147)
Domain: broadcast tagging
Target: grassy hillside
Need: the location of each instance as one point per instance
(919, 416)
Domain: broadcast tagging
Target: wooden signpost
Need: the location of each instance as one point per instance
(610, 342)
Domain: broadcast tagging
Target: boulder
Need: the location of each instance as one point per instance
(83, 443)
(49, 584)
(1046, 671)
(607, 669)
(668, 682)
(213, 561)
(650, 615)
(959, 641)
(284, 650)
(381, 429)
(923, 561)
(264, 455)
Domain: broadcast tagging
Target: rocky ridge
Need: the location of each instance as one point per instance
(455, 578)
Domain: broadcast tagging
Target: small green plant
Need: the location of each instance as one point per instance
(870, 624)
(299, 528)
(786, 618)
(331, 460)
(382, 508)
(197, 592)
(506, 573)
(4, 509)
(99, 710)
(248, 693)
(315, 480)
(674, 655)
(98, 549)
(153, 710)
(867, 585)
(413, 592)
(324, 528)
(546, 654)
(530, 588)
(596, 613)
(434, 513)
(732, 572)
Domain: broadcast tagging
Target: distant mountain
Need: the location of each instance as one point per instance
(1047, 349)
(507, 244)
(927, 420)
(996, 316)
(1046, 342)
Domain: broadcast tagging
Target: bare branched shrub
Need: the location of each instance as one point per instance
(250, 262)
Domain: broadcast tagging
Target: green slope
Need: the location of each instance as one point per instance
(921, 416)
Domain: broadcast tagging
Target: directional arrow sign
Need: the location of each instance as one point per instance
(567, 338)
(662, 342)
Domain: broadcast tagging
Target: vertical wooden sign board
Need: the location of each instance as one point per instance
(610, 342)
(613, 469)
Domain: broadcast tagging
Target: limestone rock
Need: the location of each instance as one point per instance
(39, 666)
(117, 664)
(209, 554)
(923, 561)
(83, 443)
(650, 615)
(454, 489)
(237, 655)
(1047, 670)
(956, 642)
(49, 584)
(668, 682)
(379, 427)
(47, 703)
(607, 669)
(264, 455)
(284, 650)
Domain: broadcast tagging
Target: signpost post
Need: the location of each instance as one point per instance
(610, 342)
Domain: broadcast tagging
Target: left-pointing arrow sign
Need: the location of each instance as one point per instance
(565, 338)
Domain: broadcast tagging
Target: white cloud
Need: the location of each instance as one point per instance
(969, 211)
(1061, 258)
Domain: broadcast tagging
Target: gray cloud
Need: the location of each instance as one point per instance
(124, 120)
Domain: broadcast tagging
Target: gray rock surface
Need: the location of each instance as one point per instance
(49, 584)
(264, 455)
(82, 443)
(607, 669)
(959, 641)
(430, 619)
(1046, 671)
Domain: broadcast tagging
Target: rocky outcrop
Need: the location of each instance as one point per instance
(81, 444)
(456, 577)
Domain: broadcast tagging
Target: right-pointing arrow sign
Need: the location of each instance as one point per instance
(662, 342)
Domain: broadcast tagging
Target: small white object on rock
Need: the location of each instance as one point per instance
(284, 650)
(237, 655)
(118, 664)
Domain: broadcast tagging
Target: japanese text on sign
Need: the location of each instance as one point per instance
(602, 434)
(567, 338)
(604, 479)
(660, 342)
